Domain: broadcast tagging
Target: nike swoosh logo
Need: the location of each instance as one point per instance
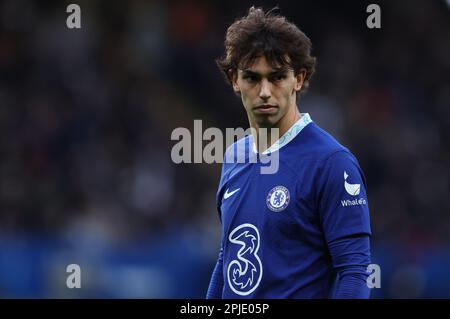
(226, 195)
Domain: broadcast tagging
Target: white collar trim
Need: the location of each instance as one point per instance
(293, 131)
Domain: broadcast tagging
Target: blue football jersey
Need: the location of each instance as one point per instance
(276, 227)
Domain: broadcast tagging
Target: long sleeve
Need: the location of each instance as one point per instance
(216, 283)
(351, 256)
(344, 212)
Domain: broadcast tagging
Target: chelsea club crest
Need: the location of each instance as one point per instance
(278, 198)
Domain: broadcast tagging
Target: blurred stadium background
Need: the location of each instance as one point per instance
(86, 117)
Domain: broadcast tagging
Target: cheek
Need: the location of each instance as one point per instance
(247, 95)
(286, 94)
(246, 99)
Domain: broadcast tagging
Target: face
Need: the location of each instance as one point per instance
(268, 94)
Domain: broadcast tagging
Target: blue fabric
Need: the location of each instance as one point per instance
(350, 257)
(216, 284)
(290, 234)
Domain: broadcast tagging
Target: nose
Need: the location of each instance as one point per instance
(264, 93)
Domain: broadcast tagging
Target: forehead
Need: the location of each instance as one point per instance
(262, 66)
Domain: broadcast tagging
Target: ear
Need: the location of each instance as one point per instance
(300, 78)
(232, 75)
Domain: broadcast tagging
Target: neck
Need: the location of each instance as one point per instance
(283, 126)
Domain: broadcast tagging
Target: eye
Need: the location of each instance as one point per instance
(279, 77)
(250, 78)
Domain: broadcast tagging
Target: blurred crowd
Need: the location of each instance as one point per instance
(86, 117)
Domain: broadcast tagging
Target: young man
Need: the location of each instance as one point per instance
(302, 232)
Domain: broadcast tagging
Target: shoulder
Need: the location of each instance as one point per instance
(237, 153)
(334, 161)
(329, 151)
(319, 146)
(239, 150)
(324, 157)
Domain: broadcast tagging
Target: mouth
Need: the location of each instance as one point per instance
(265, 108)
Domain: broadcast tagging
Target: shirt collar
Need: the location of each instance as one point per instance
(293, 131)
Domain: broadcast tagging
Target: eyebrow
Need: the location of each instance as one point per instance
(276, 72)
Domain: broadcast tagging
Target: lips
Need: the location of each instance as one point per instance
(266, 108)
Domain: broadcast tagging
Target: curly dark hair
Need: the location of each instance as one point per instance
(266, 34)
